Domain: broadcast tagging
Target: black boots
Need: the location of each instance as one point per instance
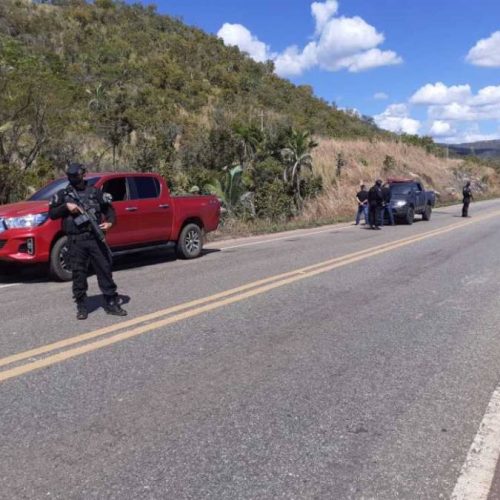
(81, 311)
(112, 307)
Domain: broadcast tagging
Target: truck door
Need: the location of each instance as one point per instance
(420, 196)
(119, 233)
(149, 210)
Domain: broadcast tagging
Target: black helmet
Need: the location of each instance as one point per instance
(378, 182)
(76, 169)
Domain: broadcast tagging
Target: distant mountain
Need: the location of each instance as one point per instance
(482, 149)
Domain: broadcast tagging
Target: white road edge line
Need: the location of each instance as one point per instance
(478, 470)
(271, 240)
(10, 284)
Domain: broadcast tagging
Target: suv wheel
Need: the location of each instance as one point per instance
(59, 260)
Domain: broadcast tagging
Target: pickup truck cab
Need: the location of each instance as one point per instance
(408, 197)
(147, 216)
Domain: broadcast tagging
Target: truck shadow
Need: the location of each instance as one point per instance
(13, 274)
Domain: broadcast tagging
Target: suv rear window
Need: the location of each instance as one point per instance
(144, 187)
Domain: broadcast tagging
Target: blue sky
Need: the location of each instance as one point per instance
(419, 66)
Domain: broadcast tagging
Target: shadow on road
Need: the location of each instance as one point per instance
(95, 302)
(14, 273)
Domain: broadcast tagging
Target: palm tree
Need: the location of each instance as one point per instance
(297, 157)
(249, 140)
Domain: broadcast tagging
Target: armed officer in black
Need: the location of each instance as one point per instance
(467, 193)
(375, 201)
(83, 245)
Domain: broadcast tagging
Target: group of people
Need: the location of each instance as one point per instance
(374, 205)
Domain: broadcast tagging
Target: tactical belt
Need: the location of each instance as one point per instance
(81, 236)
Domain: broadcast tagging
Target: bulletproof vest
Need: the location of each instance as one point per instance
(88, 197)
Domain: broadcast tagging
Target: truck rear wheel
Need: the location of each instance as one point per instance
(59, 260)
(190, 242)
(410, 216)
(427, 213)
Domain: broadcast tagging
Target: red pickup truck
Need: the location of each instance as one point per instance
(147, 216)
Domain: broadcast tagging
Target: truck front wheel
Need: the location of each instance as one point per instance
(190, 242)
(59, 260)
(410, 216)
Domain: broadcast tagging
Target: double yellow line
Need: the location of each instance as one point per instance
(56, 352)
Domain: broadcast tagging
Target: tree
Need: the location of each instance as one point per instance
(297, 158)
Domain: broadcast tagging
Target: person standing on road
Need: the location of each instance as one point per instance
(467, 192)
(362, 199)
(375, 200)
(386, 205)
(83, 244)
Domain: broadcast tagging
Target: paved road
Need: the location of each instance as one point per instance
(324, 364)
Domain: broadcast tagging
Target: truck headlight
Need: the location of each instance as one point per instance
(26, 221)
(400, 203)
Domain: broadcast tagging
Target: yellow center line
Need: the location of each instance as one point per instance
(187, 305)
(239, 294)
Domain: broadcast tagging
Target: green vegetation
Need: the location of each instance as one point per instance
(122, 87)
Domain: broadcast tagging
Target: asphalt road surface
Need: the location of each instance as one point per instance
(332, 363)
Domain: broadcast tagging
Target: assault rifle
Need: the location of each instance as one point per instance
(88, 217)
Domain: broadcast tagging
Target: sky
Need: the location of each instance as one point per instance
(417, 66)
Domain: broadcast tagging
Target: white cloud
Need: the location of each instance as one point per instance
(344, 36)
(293, 62)
(440, 128)
(237, 34)
(367, 60)
(486, 52)
(380, 96)
(439, 93)
(323, 12)
(396, 119)
(487, 95)
(339, 43)
(458, 103)
(465, 112)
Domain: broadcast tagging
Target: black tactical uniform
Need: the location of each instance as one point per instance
(83, 245)
(467, 192)
(375, 200)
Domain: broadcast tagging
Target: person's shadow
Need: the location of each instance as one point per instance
(95, 302)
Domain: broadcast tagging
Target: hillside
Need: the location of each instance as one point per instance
(481, 149)
(366, 161)
(119, 85)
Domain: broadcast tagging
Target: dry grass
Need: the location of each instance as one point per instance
(364, 163)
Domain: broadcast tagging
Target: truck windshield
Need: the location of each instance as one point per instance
(51, 189)
(401, 189)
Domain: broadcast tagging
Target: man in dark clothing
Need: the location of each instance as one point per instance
(83, 245)
(386, 205)
(467, 192)
(375, 200)
(362, 199)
